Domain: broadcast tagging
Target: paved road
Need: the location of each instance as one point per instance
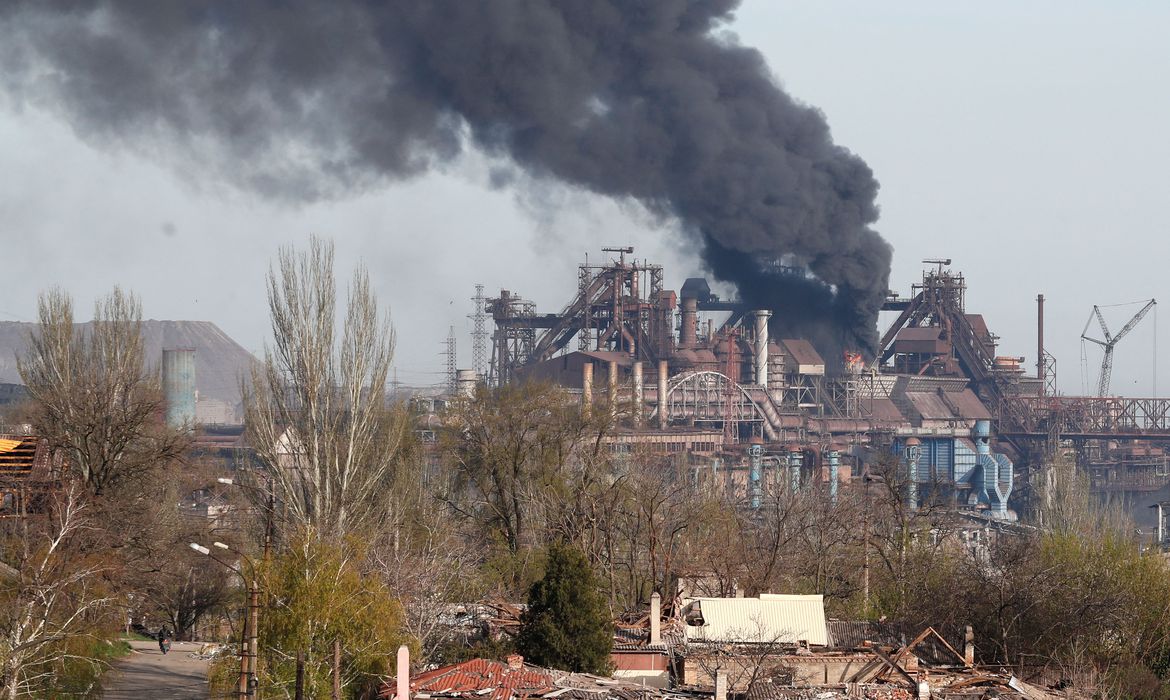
(146, 674)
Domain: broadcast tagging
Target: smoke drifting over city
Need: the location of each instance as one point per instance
(650, 101)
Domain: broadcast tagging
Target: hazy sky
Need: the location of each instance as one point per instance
(1026, 141)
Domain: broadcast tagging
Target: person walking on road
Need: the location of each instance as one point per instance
(164, 640)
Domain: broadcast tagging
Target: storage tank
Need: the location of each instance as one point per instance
(178, 373)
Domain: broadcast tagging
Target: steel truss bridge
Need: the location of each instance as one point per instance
(1085, 417)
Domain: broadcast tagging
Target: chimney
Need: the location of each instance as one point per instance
(639, 403)
(515, 662)
(655, 618)
(587, 384)
(403, 672)
(1040, 374)
(762, 317)
(688, 334)
(720, 685)
(663, 374)
(969, 646)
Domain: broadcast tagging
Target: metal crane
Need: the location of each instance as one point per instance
(1111, 341)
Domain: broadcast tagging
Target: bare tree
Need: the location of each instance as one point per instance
(745, 655)
(317, 411)
(187, 591)
(512, 450)
(95, 399)
(429, 566)
(50, 590)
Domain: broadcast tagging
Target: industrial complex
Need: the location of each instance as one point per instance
(687, 372)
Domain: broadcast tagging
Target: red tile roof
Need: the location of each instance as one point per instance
(481, 678)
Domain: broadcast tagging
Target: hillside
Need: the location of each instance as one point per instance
(220, 362)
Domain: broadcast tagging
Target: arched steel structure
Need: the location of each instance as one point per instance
(712, 398)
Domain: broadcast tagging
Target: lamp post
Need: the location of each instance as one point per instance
(254, 590)
(249, 635)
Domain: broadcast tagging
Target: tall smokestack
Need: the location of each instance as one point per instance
(650, 101)
(587, 384)
(688, 335)
(762, 317)
(1040, 368)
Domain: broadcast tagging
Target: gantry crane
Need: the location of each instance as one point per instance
(1110, 341)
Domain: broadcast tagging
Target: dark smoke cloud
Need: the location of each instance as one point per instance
(640, 99)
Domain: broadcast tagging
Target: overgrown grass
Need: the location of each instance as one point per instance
(78, 670)
(136, 637)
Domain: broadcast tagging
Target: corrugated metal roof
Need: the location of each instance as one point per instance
(768, 619)
(857, 634)
(978, 324)
(939, 405)
(882, 409)
(969, 405)
(930, 406)
(802, 351)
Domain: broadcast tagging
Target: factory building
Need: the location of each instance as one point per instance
(695, 375)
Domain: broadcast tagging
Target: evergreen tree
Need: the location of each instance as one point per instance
(567, 625)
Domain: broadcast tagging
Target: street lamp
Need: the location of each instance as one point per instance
(248, 637)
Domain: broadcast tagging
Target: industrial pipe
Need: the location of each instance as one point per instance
(795, 460)
(663, 372)
(913, 452)
(992, 466)
(756, 458)
(762, 317)
(587, 385)
(639, 401)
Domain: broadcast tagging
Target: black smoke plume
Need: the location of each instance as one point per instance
(643, 99)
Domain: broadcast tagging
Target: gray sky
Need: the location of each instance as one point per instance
(1027, 141)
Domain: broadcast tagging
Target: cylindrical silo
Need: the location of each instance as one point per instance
(178, 372)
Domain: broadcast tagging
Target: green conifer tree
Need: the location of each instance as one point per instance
(568, 624)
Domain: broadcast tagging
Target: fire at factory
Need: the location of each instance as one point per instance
(728, 386)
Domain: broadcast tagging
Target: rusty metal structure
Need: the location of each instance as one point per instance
(966, 422)
(28, 474)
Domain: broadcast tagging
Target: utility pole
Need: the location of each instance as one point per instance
(253, 634)
(242, 684)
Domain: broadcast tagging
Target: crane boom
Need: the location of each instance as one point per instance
(1135, 320)
(1111, 341)
(1104, 328)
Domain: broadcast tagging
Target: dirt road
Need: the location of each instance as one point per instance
(146, 673)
